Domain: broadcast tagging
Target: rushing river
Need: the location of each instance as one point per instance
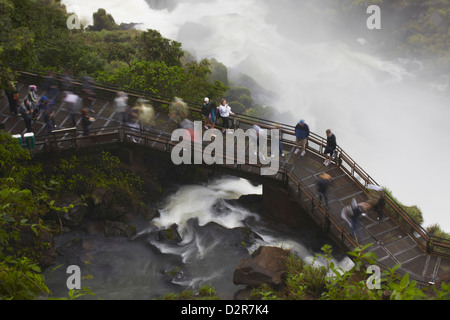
(211, 248)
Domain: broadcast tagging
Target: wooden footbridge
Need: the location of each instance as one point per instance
(396, 239)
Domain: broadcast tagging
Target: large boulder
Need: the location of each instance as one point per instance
(169, 235)
(119, 229)
(266, 266)
(102, 196)
(74, 216)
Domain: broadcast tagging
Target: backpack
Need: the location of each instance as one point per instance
(206, 108)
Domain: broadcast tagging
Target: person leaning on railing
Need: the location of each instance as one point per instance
(225, 112)
(302, 133)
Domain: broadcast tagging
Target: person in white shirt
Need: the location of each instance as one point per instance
(121, 106)
(225, 112)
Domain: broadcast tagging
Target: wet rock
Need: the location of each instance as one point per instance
(171, 234)
(150, 213)
(251, 202)
(119, 229)
(112, 213)
(74, 216)
(71, 251)
(266, 266)
(102, 196)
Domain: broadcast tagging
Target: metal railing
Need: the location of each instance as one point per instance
(316, 144)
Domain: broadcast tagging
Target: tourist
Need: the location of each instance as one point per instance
(68, 82)
(178, 110)
(50, 86)
(352, 214)
(376, 199)
(27, 113)
(73, 102)
(47, 112)
(146, 113)
(225, 112)
(33, 99)
(133, 121)
(121, 106)
(212, 116)
(323, 184)
(280, 148)
(13, 98)
(260, 133)
(88, 93)
(206, 111)
(330, 147)
(86, 121)
(302, 133)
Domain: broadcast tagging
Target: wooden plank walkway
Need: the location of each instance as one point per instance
(391, 243)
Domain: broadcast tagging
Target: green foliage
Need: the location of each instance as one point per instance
(189, 83)
(330, 282)
(12, 156)
(21, 279)
(84, 175)
(74, 294)
(205, 292)
(413, 211)
(34, 34)
(153, 47)
(261, 112)
(435, 230)
(103, 21)
(24, 237)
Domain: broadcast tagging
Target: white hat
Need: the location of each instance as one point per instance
(206, 99)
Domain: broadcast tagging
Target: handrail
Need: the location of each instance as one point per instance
(430, 244)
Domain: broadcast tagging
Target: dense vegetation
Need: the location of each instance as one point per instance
(328, 281)
(34, 207)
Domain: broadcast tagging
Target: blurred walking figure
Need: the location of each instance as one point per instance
(88, 93)
(225, 112)
(206, 111)
(86, 121)
(352, 214)
(178, 111)
(302, 133)
(68, 82)
(13, 98)
(330, 149)
(26, 111)
(263, 150)
(121, 106)
(145, 112)
(48, 113)
(278, 127)
(133, 120)
(212, 115)
(323, 185)
(376, 200)
(73, 102)
(33, 99)
(50, 86)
